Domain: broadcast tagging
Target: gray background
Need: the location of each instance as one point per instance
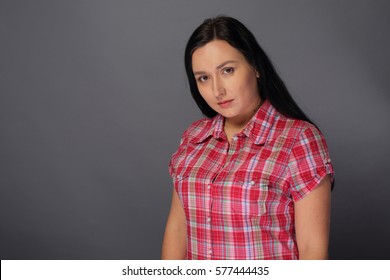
(94, 98)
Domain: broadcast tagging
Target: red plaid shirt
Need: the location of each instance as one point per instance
(239, 198)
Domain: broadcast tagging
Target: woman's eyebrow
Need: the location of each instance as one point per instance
(199, 73)
(226, 62)
(218, 67)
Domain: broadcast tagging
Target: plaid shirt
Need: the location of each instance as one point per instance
(239, 198)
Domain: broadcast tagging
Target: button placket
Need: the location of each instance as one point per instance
(209, 195)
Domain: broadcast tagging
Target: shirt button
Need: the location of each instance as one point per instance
(208, 219)
(209, 187)
(235, 138)
(253, 183)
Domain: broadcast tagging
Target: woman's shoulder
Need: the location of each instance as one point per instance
(297, 128)
(200, 124)
(304, 135)
(198, 128)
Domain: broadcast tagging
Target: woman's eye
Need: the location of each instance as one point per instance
(202, 78)
(228, 70)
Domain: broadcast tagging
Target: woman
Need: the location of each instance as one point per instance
(253, 179)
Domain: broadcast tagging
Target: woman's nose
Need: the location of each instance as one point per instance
(218, 88)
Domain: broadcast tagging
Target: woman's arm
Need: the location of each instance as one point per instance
(174, 245)
(312, 222)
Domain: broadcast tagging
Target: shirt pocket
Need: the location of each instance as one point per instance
(249, 194)
(180, 177)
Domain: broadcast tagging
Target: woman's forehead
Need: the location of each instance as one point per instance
(214, 54)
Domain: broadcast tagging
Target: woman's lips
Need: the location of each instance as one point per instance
(226, 103)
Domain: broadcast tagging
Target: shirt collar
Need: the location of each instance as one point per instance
(257, 129)
(259, 126)
(215, 130)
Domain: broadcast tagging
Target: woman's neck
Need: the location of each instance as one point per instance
(238, 123)
(234, 126)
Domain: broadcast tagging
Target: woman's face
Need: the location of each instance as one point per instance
(226, 81)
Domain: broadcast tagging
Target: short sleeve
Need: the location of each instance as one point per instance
(309, 162)
(173, 163)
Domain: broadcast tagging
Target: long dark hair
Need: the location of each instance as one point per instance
(270, 85)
